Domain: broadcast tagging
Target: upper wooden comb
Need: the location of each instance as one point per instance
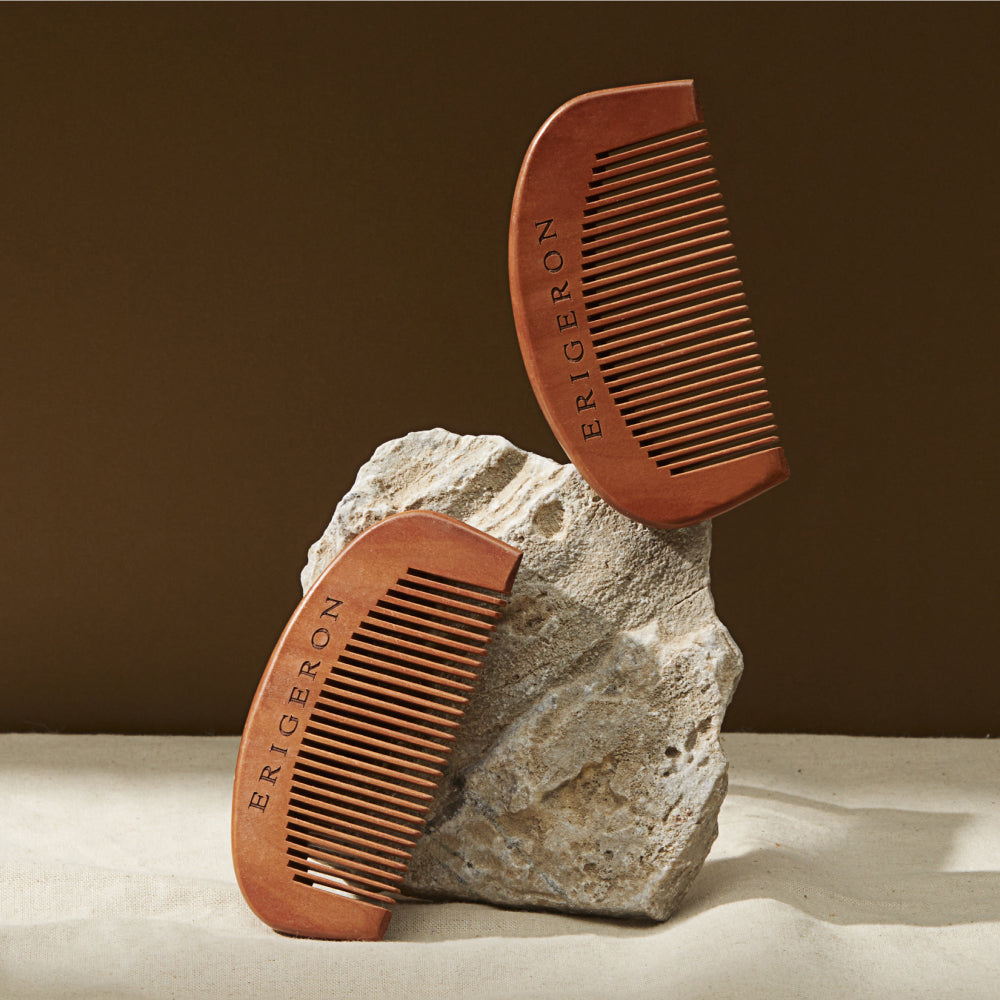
(630, 311)
(346, 736)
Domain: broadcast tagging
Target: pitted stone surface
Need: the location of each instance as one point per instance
(588, 773)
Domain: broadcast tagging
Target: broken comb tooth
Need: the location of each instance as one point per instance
(354, 718)
(630, 311)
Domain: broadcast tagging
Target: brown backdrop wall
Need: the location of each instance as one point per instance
(241, 246)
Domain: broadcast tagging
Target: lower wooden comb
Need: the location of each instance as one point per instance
(352, 722)
(630, 311)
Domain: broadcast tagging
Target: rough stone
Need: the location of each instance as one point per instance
(588, 774)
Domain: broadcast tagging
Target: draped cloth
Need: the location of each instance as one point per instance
(845, 867)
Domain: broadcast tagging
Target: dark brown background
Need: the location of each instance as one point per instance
(243, 245)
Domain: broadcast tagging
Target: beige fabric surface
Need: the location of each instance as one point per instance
(844, 867)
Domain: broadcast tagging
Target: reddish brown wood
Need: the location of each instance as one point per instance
(352, 721)
(630, 310)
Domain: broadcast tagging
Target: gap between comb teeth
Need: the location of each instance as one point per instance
(343, 889)
(337, 839)
(670, 185)
(436, 645)
(669, 200)
(658, 403)
(710, 428)
(429, 611)
(320, 754)
(657, 427)
(334, 812)
(667, 455)
(333, 786)
(661, 139)
(361, 705)
(427, 593)
(698, 309)
(671, 279)
(630, 235)
(373, 812)
(615, 192)
(661, 416)
(343, 854)
(760, 410)
(390, 638)
(684, 381)
(660, 300)
(662, 244)
(654, 349)
(638, 223)
(359, 664)
(309, 862)
(605, 176)
(325, 737)
(404, 731)
(655, 194)
(401, 701)
(639, 263)
(398, 729)
(471, 589)
(307, 824)
(369, 646)
(607, 335)
(669, 267)
(637, 377)
(693, 359)
(385, 612)
(717, 458)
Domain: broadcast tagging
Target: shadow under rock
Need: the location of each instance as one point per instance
(853, 866)
(428, 922)
(838, 865)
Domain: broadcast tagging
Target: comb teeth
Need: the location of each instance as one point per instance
(373, 752)
(665, 305)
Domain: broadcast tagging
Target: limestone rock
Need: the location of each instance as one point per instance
(588, 774)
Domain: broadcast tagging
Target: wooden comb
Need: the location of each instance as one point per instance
(630, 310)
(352, 721)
